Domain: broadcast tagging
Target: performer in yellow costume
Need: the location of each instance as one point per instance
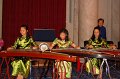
(96, 42)
(63, 42)
(21, 65)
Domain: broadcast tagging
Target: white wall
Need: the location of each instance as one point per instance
(109, 10)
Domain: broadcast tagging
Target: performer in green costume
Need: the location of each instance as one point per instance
(21, 65)
(63, 42)
(96, 42)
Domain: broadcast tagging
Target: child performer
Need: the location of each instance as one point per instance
(96, 42)
(21, 66)
(64, 42)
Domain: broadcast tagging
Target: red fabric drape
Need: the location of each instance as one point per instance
(49, 14)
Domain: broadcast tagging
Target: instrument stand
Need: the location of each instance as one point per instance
(84, 64)
(114, 67)
(32, 68)
(7, 61)
(107, 69)
(45, 70)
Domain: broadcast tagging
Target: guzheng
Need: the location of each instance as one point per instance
(37, 54)
(97, 53)
(103, 53)
(68, 54)
(7, 56)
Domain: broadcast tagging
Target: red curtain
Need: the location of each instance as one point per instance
(50, 14)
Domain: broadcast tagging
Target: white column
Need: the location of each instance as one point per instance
(87, 19)
(76, 22)
(104, 11)
(72, 19)
(110, 11)
(1, 3)
(115, 21)
(69, 17)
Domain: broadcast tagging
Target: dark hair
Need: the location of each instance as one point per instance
(100, 19)
(66, 32)
(26, 27)
(93, 36)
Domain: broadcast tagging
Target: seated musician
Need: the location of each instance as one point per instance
(21, 65)
(96, 42)
(64, 42)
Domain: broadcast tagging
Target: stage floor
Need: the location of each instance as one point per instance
(35, 73)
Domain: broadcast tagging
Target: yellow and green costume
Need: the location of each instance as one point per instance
(65, 66)
(21, 65)
(94, 62)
